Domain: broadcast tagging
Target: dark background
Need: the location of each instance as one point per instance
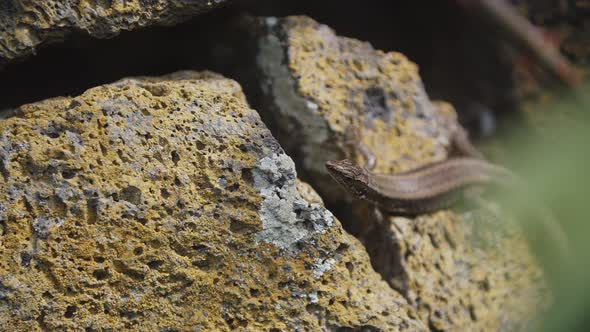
(459, 58)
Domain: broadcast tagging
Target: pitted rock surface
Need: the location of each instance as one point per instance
(323, 94)
(27, 24)
(470, 272)
(163, 204)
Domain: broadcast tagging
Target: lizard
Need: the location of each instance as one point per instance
(421, 190)
(437, 186)
(394, 193)
(459, 143)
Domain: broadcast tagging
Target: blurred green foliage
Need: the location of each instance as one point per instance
(555, 163)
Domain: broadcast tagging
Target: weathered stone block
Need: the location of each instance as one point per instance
(330, 97)
(27, 24)
(165, 204)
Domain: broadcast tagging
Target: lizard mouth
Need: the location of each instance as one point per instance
(336, 169)
(345, 173)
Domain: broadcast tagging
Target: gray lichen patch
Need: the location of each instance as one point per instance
(321, 266)
(286, 217)
(43, 225)
(300, 113)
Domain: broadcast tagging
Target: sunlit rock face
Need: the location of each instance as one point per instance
(327, 94)
(165, 204)
(331, 97)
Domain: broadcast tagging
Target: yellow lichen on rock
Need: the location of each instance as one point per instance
(328, 94)
(463, 273)
(165, 204)
(331, 97)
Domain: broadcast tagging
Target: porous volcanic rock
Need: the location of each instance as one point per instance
(328, 97)
(163, 204)
(27, 24)
(324, 94)
(463, 272)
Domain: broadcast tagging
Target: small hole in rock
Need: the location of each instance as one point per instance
(155, 243)
(349, 267)
(52, 134)
(100, 274)
(68, 174)
(199, 247)
(154, 265)
(313, 308)
(375, 104)
(25, 259)
(70, 311)
(132, 195)
(175, 158)
(239, 227)
(247, 176)
(233, 187)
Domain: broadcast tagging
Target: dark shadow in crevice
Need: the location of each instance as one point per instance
(458, 61)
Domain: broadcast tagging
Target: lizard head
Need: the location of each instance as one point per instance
(349, 175)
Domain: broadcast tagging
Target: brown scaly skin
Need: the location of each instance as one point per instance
(437, 186)
(421, 190)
